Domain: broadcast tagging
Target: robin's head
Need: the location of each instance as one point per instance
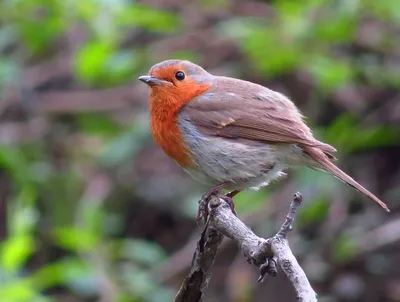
(178, 79)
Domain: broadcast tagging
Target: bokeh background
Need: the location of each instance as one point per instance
(92, 210)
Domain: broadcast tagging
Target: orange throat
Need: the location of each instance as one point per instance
(163, 125)
(164, 107)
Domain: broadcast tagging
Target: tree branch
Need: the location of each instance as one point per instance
(265, 254)
(195, 284)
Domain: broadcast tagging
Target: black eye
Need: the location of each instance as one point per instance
(180, 76)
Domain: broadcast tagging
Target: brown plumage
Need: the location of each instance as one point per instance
(232, 133)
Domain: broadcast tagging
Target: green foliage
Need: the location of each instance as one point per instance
(330, 73)
(254, 36)
(248, 200)
(126, 144)
(8, 70)
(388, 10)
(312, 212)
(14, 161)
(74, 239)
(349, 136)
(141, 251)
(149, 19)
(343, 248)
(16, 251)
(308, 34)
(97, 124)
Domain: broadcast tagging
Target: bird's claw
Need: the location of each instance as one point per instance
(205, 199)
(202, 211)
(229, 201)
(269, 267)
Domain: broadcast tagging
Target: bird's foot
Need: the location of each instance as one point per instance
(205, 199)
(229, 201)
(269, 267)
(202, 211)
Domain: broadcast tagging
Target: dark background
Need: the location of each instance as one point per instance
(92, 210)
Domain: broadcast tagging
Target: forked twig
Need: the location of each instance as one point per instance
(265, 254)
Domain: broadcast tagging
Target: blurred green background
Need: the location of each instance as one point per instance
(92, 210)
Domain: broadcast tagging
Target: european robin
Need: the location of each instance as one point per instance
(232, 134)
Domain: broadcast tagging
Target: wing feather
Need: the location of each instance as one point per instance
(242, 109)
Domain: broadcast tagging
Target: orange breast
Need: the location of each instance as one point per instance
(167, 135)
(165, 103)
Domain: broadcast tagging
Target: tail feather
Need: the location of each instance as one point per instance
(323, 162)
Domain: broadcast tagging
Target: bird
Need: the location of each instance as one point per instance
(232, 134)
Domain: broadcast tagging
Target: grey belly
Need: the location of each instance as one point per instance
(220, 160)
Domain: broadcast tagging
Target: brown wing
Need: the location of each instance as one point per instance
(240, 109)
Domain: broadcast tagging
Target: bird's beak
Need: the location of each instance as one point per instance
(150, 80)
